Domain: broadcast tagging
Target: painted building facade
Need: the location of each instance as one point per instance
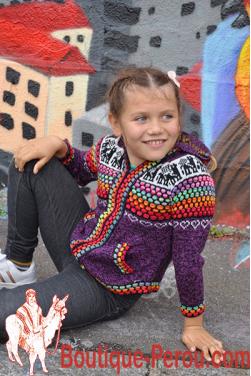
(43, 71)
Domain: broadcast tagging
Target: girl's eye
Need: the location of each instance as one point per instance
(168, 116)
(140, 119)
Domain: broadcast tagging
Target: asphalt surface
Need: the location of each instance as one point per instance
(155, 319)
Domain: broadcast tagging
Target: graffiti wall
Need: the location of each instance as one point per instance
(58, 57)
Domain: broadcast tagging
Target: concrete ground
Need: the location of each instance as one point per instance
(155, 319)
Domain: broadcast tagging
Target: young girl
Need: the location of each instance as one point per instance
(155, 203)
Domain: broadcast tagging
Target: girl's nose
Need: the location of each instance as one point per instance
(155, 127)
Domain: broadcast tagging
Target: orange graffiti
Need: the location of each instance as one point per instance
(247, 6)
(242, 78)
(191, 86)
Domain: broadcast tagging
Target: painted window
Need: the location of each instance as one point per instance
(67, 38)
(87, 139)
(28, 131)
(33, 88)
(151, 11)
(80, 38)
(68, 118)
(69, 88)
(12, 76)
(6, 121)
(31, 110)
(9, 97)
(155, 41)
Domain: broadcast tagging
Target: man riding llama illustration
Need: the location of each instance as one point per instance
(33, 332)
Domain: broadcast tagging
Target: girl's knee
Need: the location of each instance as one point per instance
(12, 166)
(28, 165)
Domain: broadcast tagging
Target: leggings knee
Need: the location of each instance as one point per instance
(28, 165)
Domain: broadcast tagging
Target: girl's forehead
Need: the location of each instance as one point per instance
(136, 94)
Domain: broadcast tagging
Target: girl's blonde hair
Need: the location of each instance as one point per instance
(212, 164)
(147, 77)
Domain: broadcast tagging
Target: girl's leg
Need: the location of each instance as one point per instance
(51, 200)
(88, 300)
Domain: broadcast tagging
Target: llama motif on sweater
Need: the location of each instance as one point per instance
(159, 212)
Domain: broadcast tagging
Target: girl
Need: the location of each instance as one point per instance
(155, 204)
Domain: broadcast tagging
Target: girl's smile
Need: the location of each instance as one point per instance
(149, 122)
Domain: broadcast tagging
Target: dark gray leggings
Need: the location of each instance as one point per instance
(52, 201)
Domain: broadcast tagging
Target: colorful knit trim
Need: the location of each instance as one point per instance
(92, 156)
(78, 245)
(133, 288)
(69, 154)
(89, 215)
(111, 216)
(196, 198)
(119, 258)
(105, 182)
(91, 159)
(149, 202)
(192, 311)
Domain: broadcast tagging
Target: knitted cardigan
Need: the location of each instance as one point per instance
(159, 212)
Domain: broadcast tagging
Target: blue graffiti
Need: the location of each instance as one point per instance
(220, 56)
(242, 254)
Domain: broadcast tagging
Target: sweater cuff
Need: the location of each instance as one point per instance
(192, 311)
(69, 154)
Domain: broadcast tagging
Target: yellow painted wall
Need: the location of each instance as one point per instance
(10, 138)
(84, 47)
(59, 103)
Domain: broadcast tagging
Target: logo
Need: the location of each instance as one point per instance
(33, 332)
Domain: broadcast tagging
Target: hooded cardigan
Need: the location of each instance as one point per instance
(159, 212)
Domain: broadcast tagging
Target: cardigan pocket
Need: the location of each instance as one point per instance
(119, 256)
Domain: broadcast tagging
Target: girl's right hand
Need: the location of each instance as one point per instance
(41, 148)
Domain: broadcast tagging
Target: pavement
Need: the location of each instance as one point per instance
(155, 322)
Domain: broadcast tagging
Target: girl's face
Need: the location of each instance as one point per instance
(149, 122)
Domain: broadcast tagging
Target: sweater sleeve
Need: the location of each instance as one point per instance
(82, 165)
(193, 204)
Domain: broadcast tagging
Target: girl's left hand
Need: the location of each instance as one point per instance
(198, 337)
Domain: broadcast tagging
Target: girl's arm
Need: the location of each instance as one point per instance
(193, 205)
(82, 165)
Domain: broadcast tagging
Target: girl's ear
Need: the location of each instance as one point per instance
(114, 124)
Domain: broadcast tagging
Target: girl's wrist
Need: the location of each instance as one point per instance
(192, 322)
(62, 151)
(193, 327)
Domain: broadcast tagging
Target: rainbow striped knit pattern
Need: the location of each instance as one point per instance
(146, 217)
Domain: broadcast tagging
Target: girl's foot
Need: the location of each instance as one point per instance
(11, 277)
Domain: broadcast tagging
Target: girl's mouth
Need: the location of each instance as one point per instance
(155, 143)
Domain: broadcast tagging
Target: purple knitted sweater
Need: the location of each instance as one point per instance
(159, 212)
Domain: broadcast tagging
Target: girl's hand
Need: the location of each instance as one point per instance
(42, 148)
(198, 337)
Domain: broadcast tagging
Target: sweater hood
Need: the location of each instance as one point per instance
(187, 142)
(191, 144)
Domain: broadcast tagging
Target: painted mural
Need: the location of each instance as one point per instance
(57, 58)
(222, 96)
(43, 70)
